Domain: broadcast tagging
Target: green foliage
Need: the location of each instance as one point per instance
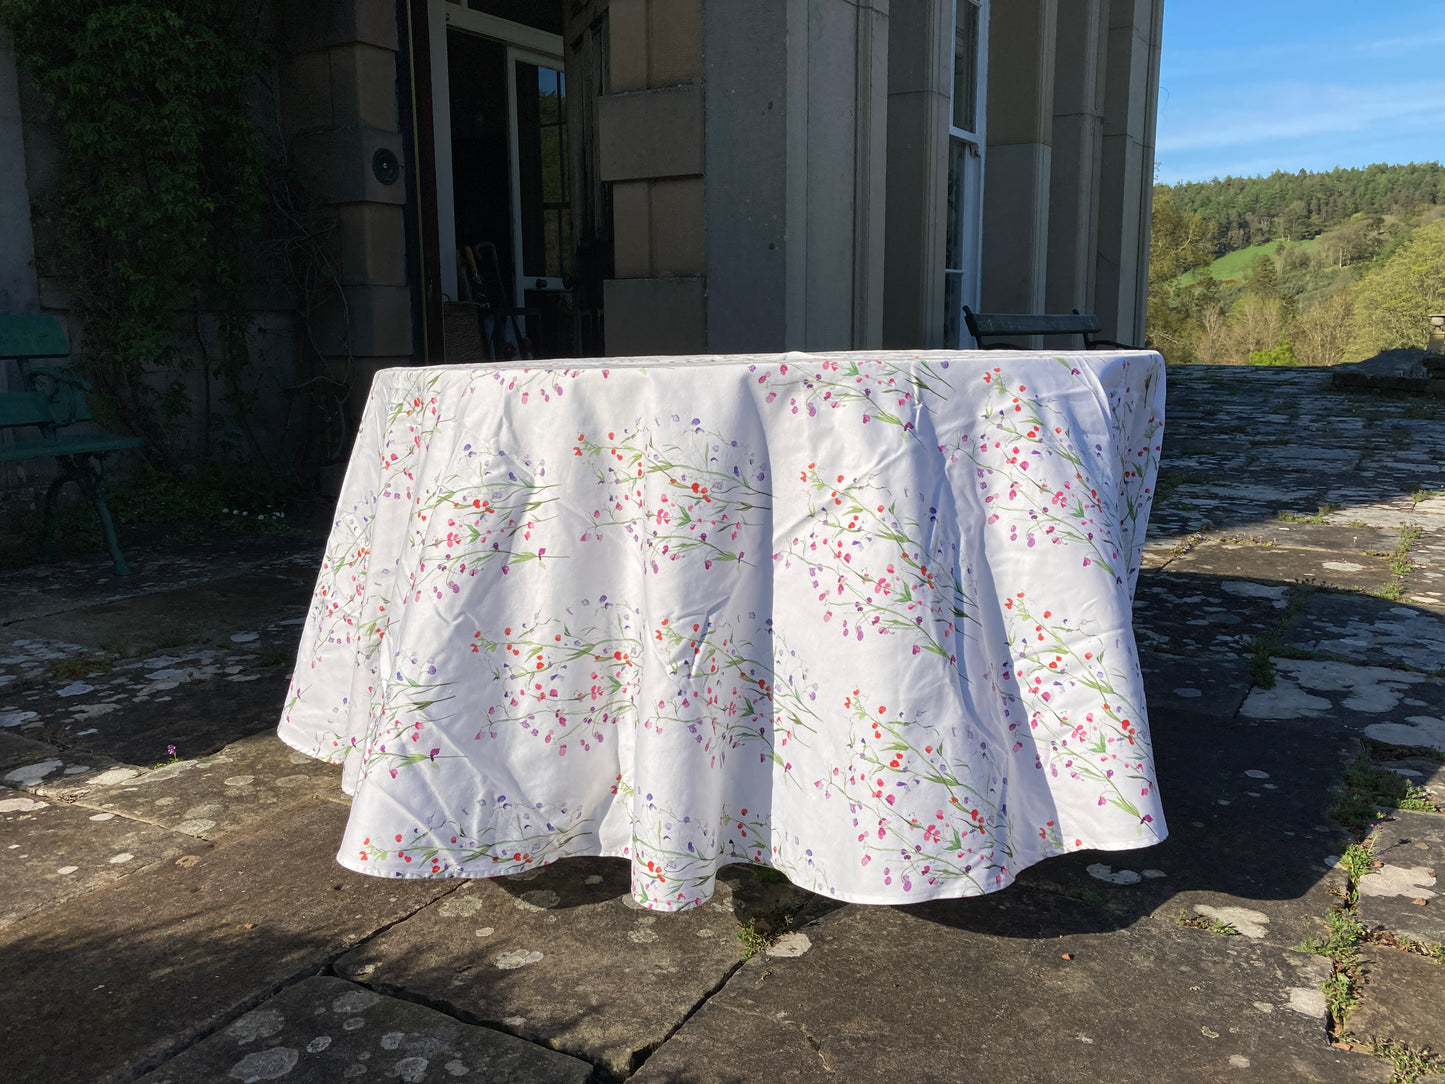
(1178, 245)
(1343, 264)
(1280, 354)
(1255, 210)
(158, 195)
(1367, 787)
(1392, 301)
(1199, 922)
(198, 502)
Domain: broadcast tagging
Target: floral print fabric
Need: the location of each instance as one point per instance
(863, 618)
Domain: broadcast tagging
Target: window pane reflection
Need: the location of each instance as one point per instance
(965, 64)
(542, 171)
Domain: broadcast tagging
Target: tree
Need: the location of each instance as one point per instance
(1178, 244)
(1322, 333)
(1392, 301)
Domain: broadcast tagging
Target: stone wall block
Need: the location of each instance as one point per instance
(632, 229)
(651, 133)
(380, 323)
(627, 45)
(318, 24)
(675, 43)
(336, 165)
(373, 244)
(363, 87)
(678, 227)
(654, 316)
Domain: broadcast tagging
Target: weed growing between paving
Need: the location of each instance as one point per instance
(1400, 563)
(1340, 944)
(1367, 787)
(1318, 517)
(1200, 922)
(1271, 645)
(1408, 1065)
(70, 669)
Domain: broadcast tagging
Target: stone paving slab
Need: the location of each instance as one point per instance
(229, 793)
(54, 587)
(1349, 571)
(1211, 686)
(1373, 631)
(25, 660)
(1376, 702)
(1400, 998)
(144, 968)
(1246, 807)
(204, 614)
(987, 991)
(51, 852)
(1325, 537)
(1402, 893)
(1193, 615)
(136, 713)
(324, 1030)
(562, 958)
(17, 752)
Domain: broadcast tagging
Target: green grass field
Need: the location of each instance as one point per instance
(1235, 265)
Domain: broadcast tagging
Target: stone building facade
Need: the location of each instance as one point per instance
(666, 176)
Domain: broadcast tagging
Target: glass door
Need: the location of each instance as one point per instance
(965, 167)
(541, 208)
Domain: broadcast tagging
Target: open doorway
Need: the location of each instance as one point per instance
(510, 188)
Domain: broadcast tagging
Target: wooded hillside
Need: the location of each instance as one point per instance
(1345, 264)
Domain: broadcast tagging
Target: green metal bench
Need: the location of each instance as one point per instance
(52, 403)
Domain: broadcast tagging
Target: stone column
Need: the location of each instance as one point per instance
(1018, 157)
(339, 112)
(650, 127)
(796, 151)
(1131, 98)
(1076, 157)
(920, 80)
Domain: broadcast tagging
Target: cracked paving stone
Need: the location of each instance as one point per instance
(851, 1008)
(307, 1034)
(1400, 997)
(1374, 631)
(1403, 894)
(51, 852)
(195, 797)
(566, 960)
(150, 964)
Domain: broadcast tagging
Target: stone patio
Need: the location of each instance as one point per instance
(176, 914)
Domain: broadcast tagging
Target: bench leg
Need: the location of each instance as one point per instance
(88, 478)
(47, 533)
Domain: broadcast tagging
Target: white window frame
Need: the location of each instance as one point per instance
(966, 245)
(542, 60)
(442, 15)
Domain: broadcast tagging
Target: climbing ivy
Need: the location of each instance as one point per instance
(152, 220)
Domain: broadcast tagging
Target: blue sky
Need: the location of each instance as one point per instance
(1251, 86)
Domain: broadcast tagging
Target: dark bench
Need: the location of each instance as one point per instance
(52, 404)
(996, 325)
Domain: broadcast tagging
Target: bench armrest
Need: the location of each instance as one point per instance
(58, 375)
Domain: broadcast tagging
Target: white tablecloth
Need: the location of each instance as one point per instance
(863, 618)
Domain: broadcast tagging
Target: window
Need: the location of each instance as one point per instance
(965, 166)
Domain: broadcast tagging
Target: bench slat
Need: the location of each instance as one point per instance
(1023, 323)
(37, 408)
(31, 335)
(67, 445)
